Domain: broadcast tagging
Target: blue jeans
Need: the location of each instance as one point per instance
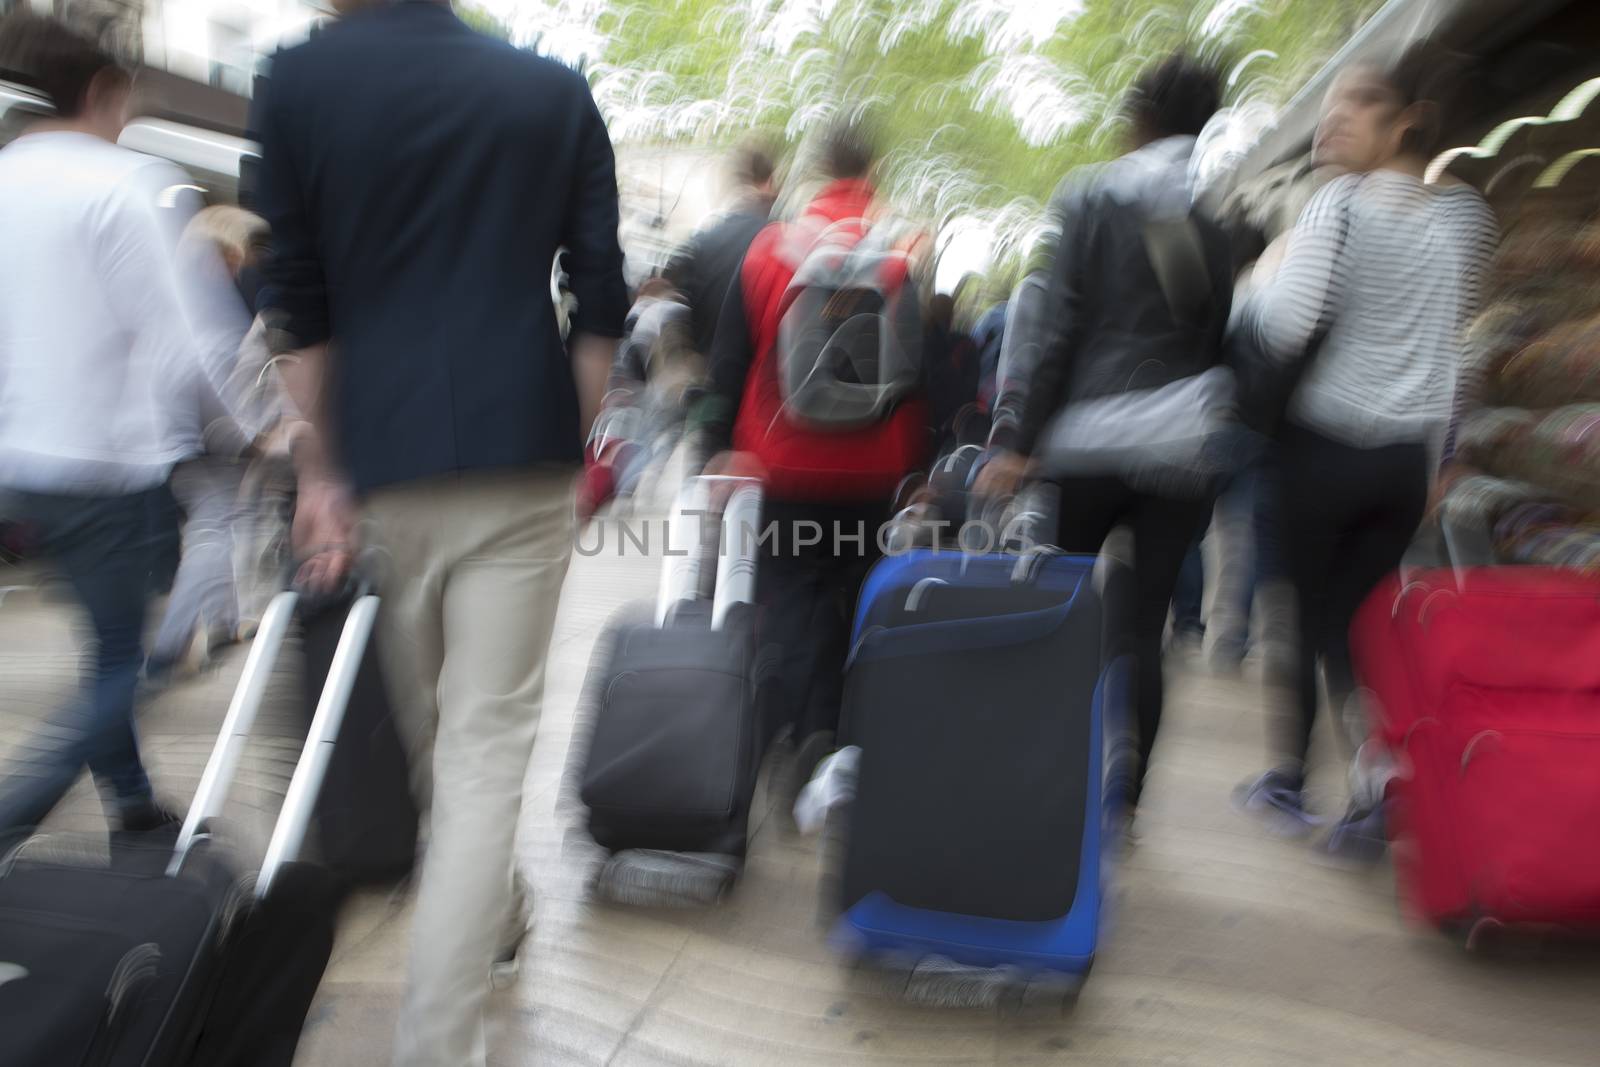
(1187, 598)
(1246, 513)
(105, 548)
(203, 593)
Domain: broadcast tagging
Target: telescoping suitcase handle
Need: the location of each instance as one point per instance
(1462, 543)
(688, 543)
(289, 832)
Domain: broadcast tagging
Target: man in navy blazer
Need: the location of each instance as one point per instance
(419, 178)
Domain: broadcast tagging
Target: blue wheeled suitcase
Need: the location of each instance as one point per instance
(989, 711)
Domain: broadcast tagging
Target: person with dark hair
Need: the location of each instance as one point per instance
(408, 260)
(1174, 98)
(848, 150)
(1134, 296)
(94, 342)
(832, 474)
(1376, 286)
(705, 267)
(73, 73)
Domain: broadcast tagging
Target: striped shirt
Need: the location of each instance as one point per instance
(1394, 271)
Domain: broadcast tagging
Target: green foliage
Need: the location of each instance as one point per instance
(979, 104)
(483, 21)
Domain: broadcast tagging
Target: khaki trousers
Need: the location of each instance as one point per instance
(471, 569)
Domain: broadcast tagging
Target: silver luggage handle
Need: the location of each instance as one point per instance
(224, 760)
(680, 572)
(289, 833)
(735, 568)
(736, 562)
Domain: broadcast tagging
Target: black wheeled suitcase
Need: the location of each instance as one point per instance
(682, 717)
(366, 816)
(140, 952)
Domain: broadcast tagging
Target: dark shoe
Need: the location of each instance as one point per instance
(1227, 658)
(1358, 837)
(158, 674)
(1186, 639)
(146, 817)
(1278, 799)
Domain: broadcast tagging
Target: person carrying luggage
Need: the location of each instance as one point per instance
(1366, 312)
(407, 259)
(95, 349)
(1129, 323)
(817, 388)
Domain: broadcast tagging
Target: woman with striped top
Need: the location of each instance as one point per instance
(1377, 284)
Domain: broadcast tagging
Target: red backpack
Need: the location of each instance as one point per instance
(833, 404)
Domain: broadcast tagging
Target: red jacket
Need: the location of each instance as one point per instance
(802, 463)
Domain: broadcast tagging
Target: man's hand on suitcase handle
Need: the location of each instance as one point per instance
(324, 533)
(1000, 474)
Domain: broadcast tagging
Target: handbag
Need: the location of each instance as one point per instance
(1176, 440)
(1266, 386)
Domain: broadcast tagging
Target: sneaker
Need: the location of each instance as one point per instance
(148, 816)
(1278, 798)
(1358, 837)
(157, 674)
(800, 766)
(1129, 831)
(1187, 640)
(1227, 658)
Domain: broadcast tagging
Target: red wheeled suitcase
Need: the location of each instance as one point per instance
(1487, 694)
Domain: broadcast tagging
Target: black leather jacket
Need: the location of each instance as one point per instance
(1132, 292)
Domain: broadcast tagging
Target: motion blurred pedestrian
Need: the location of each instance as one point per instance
(95, 351)
(1367, 310)
(709, 263)
(202, 613)
(419, 178)
(1133, 304)
(828, 489)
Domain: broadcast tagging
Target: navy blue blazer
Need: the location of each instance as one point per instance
(419, 178)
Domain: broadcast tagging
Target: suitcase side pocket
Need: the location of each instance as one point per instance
(1530, 808)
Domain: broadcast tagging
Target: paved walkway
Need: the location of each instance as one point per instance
(1225, 947)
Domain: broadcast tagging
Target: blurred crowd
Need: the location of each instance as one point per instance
(364, 376)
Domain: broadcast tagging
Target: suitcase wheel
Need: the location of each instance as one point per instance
(1476, 935)
(942, 983)
(653, 879)
(1056, 995)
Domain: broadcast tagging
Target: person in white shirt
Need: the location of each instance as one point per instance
(91, 327)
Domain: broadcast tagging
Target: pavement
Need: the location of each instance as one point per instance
(1225, 946)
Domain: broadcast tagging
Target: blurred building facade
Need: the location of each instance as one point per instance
(212, 42)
